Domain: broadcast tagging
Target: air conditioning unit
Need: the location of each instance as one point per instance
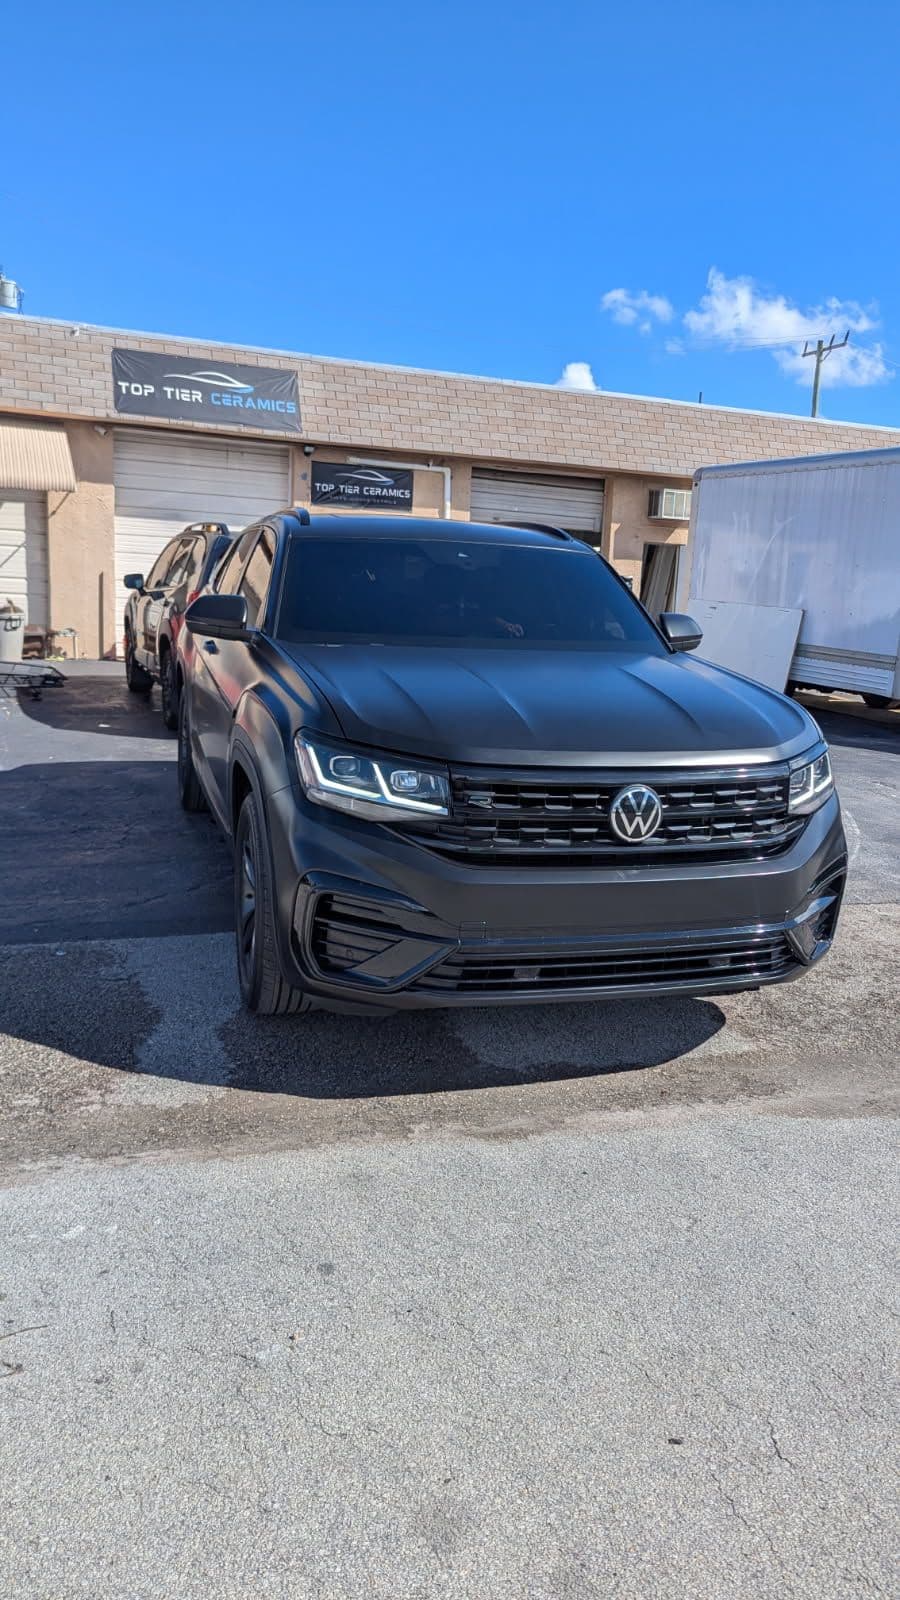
(670, 505)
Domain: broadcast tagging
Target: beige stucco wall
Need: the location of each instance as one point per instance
(629, 528)
(80, 545)
(63, 369)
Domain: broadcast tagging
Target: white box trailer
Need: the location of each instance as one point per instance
(819, 533)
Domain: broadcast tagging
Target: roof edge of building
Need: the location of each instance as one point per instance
(463, 377)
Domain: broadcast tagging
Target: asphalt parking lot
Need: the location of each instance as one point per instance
(584, 1301)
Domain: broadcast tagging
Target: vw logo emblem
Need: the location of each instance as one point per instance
(635, 813)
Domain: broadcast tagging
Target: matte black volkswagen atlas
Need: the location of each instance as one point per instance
(461, 765)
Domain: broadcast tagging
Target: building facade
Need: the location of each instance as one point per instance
(111, 441)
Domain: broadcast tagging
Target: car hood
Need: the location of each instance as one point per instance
(550, 707)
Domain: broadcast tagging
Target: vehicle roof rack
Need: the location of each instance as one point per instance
(543, 527)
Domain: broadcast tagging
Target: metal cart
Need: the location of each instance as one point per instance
(32, 677)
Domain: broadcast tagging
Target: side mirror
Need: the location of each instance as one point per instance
(134, 580)
(682, 632)
(218, 616)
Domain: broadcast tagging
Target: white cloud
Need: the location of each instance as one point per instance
(674, 347)
(737, 313)
(637, 305)
(576, 375)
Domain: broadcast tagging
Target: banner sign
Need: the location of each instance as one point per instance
(194, 390)
(384, 488)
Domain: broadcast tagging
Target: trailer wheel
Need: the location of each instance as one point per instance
(880, 702)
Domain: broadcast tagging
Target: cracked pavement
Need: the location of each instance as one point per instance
(579, 1302)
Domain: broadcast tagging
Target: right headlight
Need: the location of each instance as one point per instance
(811, 784)
(374, 786)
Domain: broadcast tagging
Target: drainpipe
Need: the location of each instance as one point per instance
(414, 466)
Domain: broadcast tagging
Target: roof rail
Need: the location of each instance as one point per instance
(302, 515)
(207, 527)
(543, 527)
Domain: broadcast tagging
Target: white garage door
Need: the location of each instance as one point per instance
(572, 503)
(166, 480)
(23, 553)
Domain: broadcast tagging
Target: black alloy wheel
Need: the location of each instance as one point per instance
(138, 681)
(189, 790)
(263, 988)
(168, 690)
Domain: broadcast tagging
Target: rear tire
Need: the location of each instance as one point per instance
(263, 988)
(138, 681)
(880, 702)
(189, 791)
(168, 690)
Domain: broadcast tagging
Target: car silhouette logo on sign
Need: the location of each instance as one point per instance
(635, 813)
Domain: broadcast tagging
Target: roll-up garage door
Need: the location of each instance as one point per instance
(23, 553)
(572, 503)
(166, 480)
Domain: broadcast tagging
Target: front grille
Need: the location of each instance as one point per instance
(763, 959)
(529, 817)
(347, 932)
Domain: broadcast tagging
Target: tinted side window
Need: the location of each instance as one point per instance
(255, 582)
(185, 563)
(217, 551)
(161, 565)
(229, 572)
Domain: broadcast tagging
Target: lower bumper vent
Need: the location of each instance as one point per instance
(348, 934)
(497, 972)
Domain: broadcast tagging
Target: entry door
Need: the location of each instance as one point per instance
(23, 553)
(164, 480)
(659, 575)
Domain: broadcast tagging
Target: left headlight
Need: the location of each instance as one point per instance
(371, 786)
(811, 784)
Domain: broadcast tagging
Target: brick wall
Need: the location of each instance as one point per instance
(63, 369)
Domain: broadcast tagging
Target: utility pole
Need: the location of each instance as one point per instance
(820, 350)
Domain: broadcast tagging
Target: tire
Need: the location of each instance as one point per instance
(880, 702)
(168, 690)
(189, 791)
(138, 681)
(263, 988)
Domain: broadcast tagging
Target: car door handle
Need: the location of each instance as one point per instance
(211, 647)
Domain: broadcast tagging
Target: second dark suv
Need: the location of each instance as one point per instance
(156, 605)
(462, 765)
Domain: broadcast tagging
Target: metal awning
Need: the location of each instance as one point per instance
(34, 455)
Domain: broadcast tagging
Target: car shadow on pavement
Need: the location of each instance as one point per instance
(102, 850)
(170, 1012)
(97, 705)
(324, 1056)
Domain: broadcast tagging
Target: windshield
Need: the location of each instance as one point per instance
(448, 591)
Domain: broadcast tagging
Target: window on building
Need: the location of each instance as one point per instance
(670, 505)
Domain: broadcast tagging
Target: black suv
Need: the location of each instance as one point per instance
(155, 609)
(461, 765)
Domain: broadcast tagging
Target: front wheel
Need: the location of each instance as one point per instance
(168, 690)
(880, 702)
(138, 681)
(189, 791)
(263, 989)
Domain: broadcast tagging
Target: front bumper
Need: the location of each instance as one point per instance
(369, 916)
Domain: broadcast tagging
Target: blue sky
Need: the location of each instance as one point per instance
(497, 188)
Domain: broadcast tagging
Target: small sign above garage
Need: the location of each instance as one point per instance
(187, 389)
(378, 488)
